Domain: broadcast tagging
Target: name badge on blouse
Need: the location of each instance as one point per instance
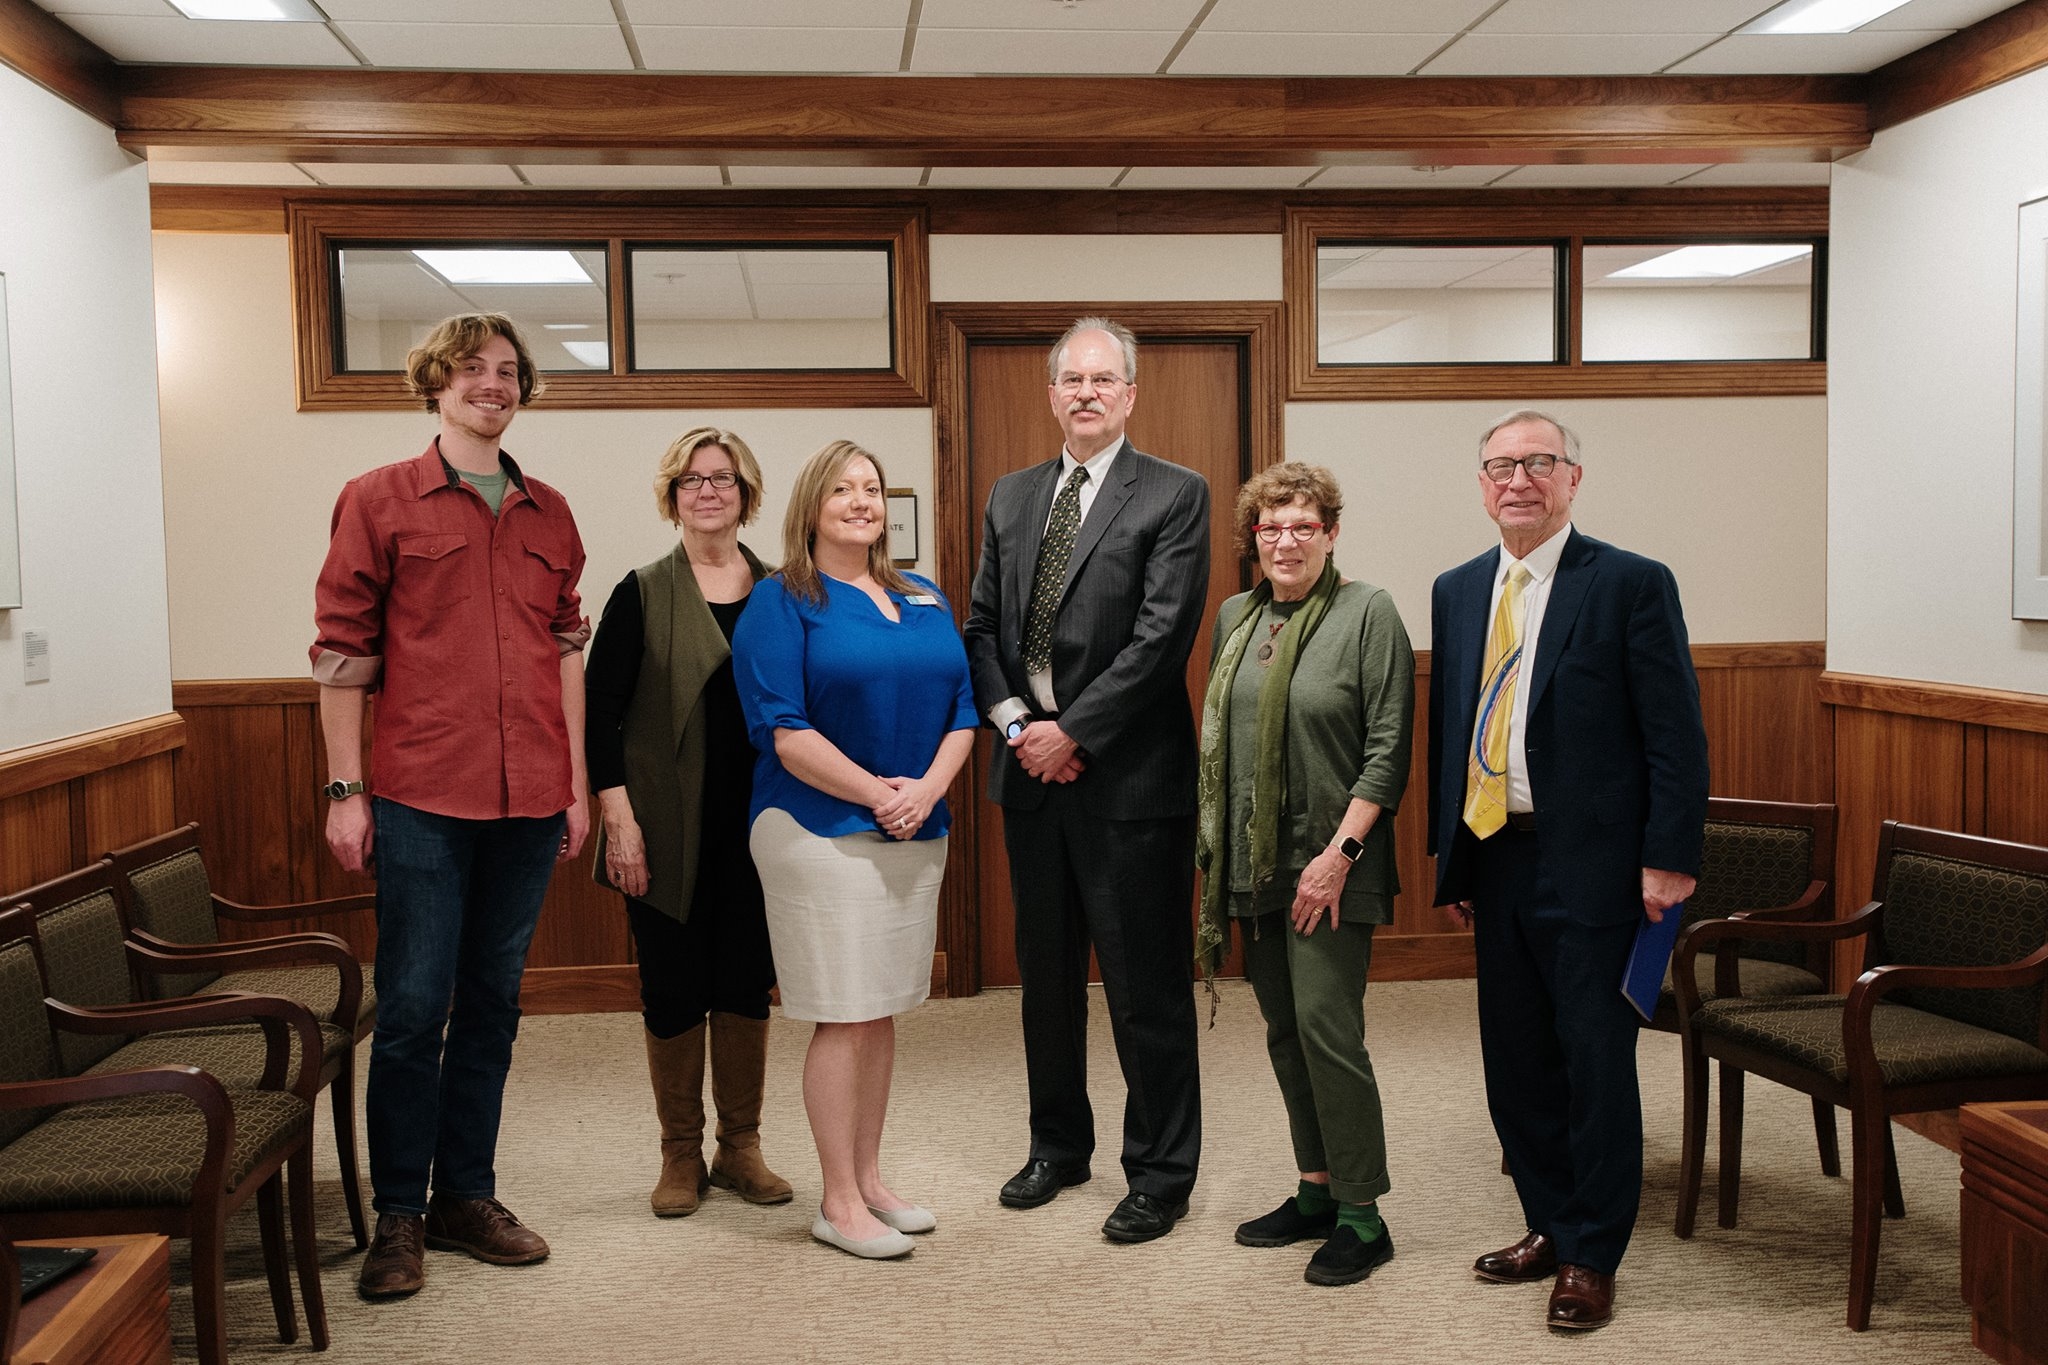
(920, 599)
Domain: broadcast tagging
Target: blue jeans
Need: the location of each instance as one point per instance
(457, 901)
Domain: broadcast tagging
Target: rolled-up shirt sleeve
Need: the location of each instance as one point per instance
(571, 627)
(768, 665)
(348, 598)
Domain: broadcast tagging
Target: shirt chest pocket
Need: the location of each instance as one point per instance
(543, 571)
(435, 565)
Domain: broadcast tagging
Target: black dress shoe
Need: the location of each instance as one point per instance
(1286, 1225)
(1348, 1258)
(1141, 1217)
(1040, 1183)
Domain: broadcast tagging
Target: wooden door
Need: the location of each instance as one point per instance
(1191, 410)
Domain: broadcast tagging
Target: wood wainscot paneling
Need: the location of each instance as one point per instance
(64, 803)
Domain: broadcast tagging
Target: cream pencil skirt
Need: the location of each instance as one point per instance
(852, 920)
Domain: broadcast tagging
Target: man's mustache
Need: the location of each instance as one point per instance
(1086, 405)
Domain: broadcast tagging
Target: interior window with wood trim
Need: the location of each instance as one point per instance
(1558, 295)
(623, 306)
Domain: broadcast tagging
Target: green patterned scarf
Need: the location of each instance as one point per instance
(1269, 781)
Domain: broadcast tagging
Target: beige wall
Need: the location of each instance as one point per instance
(1730, 491)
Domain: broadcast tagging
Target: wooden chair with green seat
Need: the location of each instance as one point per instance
(174, 918)
(139, 1144)
(1951, 1009)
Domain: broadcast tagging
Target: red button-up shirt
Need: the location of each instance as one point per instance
(459, 621)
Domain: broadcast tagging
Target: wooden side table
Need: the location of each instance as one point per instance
(116, 1310)
(2005, 1229)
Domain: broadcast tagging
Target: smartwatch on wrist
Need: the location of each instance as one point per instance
(1350, 848)
(1016, 727)
(338, 790)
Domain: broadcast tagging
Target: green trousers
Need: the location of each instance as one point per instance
(1311, 990)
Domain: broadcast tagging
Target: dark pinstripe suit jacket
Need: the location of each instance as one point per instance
(1131, 610)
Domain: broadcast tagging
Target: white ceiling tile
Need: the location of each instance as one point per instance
(1128, 15)
(1790, 54)
(771, 13)
(454, 175)
(1561, 54)
(226, 173)
(867, 177)
(1023, 177)
(485, 47)
(1929, 15)
(1594, 175)
(212, 42)
(1620, 16)
(1040, 51)
(1215, 177)
(469, 12)
(1305, 54)
(1763, 173)
(770, 49)
(1404, 177)
(1343, 16)
(553, 177)
(145, 7)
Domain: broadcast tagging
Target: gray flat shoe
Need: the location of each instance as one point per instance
(886, 1247)
(915, 1218)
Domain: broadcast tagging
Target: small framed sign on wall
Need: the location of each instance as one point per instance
(903, 526)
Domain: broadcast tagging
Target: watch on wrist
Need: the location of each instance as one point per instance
(1016, 727)
(338, 790)
(1350, 848)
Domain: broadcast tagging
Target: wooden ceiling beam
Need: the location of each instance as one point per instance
(226, 113)
(1990, 52)
(55, 57)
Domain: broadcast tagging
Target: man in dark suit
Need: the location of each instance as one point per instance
(1094, 573)
(1568, 791)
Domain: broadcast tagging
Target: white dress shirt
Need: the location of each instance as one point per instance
(1541, 564)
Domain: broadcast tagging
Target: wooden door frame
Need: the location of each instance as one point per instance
(956, 327)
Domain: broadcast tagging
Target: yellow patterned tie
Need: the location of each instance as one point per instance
(1486, 768)
(1051, 573)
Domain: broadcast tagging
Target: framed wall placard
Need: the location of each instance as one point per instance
(2030, 421)
(903, 526)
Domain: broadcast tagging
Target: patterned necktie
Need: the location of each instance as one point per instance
(1051, 573)
(1486, 767)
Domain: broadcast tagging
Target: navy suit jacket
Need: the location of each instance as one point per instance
(1131, 609)
(1616, 746)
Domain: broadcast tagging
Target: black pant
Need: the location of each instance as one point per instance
(1127, 886)
(717, 960)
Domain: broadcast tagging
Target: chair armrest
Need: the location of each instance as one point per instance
(1790, 909)
(273, 1013)
(188, 1082)
(170, 948)
(311, 949)
(223, 908)
(1699, 937)
(1879, 982)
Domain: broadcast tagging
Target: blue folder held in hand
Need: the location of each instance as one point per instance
(1643, 981)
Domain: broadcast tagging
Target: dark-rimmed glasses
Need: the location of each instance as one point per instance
(1501, 469)
(721, 480)
(1298, 531)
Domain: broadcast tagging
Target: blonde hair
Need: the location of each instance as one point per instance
(1281, 485)
(676, 463)
(813, 485)
(429, 365)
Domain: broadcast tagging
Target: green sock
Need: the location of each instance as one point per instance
(1364, 1217)
(1311, 1198)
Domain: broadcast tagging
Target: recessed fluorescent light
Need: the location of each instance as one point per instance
(1711, 262)
(1820, 16)
(565, 326)
(302, 11)
(506, 267)
(596, 354)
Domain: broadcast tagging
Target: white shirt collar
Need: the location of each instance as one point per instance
(1098, 464)
(1541, 562)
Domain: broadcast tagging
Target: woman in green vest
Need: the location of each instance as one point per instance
(673, 772)
(1305, 737)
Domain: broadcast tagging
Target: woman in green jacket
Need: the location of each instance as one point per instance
(1306, 729)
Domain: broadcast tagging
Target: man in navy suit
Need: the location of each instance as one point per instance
(1093, 579)
(1568, 791)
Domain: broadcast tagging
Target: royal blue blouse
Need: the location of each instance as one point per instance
(884, 692)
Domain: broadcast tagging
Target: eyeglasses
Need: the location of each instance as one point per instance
(722, 480)
(1072, 383)
(1502, 470)
(1295, 531)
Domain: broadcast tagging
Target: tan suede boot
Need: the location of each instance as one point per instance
(739, 1066)
(676, 1066)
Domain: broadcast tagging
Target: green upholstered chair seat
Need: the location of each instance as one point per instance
(138, 1151)
(1913, 1047)
(317, 988)
(232, 1053)
(1760, 979)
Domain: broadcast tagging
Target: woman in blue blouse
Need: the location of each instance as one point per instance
(855, 688)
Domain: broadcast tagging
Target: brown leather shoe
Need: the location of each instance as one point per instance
(485, 1229)
(1581, 1299)
(396, 1265)
(1531, 1259)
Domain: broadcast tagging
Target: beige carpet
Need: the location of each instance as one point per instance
(740, 1284)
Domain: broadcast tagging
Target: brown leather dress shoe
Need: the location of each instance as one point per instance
(485, 1229)
(1531, 1259)
(396, 1265)
(1581, 1299)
